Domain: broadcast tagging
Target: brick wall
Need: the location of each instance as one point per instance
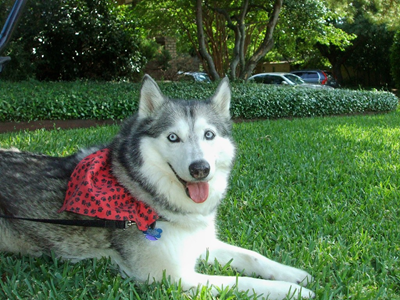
(169, 44)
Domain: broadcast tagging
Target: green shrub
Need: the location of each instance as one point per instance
(261, 101)
(74, 39)
(89, 100)
(62, 101)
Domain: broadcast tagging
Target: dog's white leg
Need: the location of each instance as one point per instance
(12, 149)
(273, 289)
(251, 262)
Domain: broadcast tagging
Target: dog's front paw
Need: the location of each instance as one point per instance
(302, 277)
(12, 149)
(304, 293)
(290, 274)
(284, 290)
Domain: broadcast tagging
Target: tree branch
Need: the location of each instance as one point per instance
(267, 42)
(202, 44)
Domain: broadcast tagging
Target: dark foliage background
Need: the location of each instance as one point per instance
(74, 39)
(395, 59)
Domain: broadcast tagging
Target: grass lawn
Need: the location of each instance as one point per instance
(320, 194)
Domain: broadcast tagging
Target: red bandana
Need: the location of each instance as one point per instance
(93, 191)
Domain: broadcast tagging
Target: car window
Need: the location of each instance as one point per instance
(277, 79)
(258, 79)
(294, 79)
(312, 75)
(272, 79)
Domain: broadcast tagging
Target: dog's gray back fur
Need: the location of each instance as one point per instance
(34, 186)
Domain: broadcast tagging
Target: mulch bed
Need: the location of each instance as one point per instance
(53, 124)
(67, 124)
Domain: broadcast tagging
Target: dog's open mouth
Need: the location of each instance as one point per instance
(195, 190)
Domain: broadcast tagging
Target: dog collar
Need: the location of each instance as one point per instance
(94, 191)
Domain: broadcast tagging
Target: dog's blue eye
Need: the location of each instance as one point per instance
(173, 138)
(209, 135)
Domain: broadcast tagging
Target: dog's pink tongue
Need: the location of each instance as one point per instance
(198, 191)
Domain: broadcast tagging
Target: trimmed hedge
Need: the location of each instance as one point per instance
(263, 101)
(27, 101)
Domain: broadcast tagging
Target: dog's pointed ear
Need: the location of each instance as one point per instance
(151, 97)
(222, 98)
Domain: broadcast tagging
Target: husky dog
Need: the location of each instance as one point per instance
(167, 171)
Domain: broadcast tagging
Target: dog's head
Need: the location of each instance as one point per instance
(185, 146)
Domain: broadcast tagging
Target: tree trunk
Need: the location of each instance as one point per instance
(238, 57)
(235, 59)
(238, 62)
(242, 30)
(267, 43)
(202, 43)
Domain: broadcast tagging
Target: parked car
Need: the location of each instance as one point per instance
(194, 76)
(286, 79)
(316, 77)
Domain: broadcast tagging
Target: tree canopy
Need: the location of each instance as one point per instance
(231, 37)
(68, 39)
(377, 11)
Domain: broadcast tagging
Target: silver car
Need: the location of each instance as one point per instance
(287, 79)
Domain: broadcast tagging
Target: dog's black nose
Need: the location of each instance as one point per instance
(199, 169)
